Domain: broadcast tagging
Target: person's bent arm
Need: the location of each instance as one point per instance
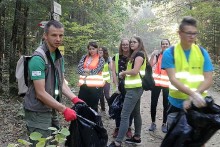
(67, 91)
(115, 81)
(45, 97)
(137, 65)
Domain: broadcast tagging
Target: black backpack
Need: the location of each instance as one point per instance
(147, 80)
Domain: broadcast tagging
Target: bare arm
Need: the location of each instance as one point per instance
(110, 65)
(45, 97)
(115, 80)
(67, 91)
(152, 60)
(207, 83)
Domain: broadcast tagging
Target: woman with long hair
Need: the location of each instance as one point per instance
(91, 80)
(119, 64)
(134, 91)
(161, 83)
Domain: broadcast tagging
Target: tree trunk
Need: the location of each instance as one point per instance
(2, 46)
(18, 40)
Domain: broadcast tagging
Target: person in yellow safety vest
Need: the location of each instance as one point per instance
(134, 91)
(103, 52)
(161, 83)
(90, 80)
(189, 69)
(119, 64)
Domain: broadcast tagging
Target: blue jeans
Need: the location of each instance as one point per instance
(131, 105)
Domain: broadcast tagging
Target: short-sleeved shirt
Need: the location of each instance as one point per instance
(122, 63)
(168, 62)
(123, 60)
(37, 68)
(141, 54)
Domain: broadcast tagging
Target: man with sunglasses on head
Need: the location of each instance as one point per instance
(189, 69)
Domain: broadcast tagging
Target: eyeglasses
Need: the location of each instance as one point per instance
(189, 34)
(133, 42)
(124, 44)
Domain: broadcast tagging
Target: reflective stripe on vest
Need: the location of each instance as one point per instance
(92, 80)
(105, 73)
(134, 81)
(160, 75)
(189, 73)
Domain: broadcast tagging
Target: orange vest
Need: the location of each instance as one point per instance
(92, 80)
(160, 75)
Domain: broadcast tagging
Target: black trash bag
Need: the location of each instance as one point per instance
(194, 128)
(116, 105)
(87, 130)
(112, 98)
(179, 131)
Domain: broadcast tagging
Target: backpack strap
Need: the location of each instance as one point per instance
(41, 51)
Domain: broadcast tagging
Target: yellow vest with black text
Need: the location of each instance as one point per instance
(105, 73)
(134, 81)
(189, 73)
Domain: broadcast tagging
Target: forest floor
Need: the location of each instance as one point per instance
(12, 125)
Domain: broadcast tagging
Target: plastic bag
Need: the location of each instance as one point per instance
(116, 106)
(87, 130)
(194, 128)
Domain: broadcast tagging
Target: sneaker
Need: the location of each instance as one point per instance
(164, 128)
(115, 133)
(152, 127)
(132, 140)
(129, 133)
(114, 145)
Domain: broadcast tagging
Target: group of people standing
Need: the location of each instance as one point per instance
(183, 72)
(125, 67)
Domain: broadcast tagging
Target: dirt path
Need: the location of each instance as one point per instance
(153, 139)
(13, 127)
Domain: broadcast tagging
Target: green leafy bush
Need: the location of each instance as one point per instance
(59, 136)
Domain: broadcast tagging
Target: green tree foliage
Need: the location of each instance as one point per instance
(170, 12)
(84, 20)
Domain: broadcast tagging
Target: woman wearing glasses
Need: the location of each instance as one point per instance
(134, 90)
(91, 81)
(119, 64)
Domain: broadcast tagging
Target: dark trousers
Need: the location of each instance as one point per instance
(155, 93)
(90, 96)
(118, 120)
(104, 94)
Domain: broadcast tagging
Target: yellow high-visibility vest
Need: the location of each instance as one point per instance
(134, 81)
(189, 73)
(105, 73)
